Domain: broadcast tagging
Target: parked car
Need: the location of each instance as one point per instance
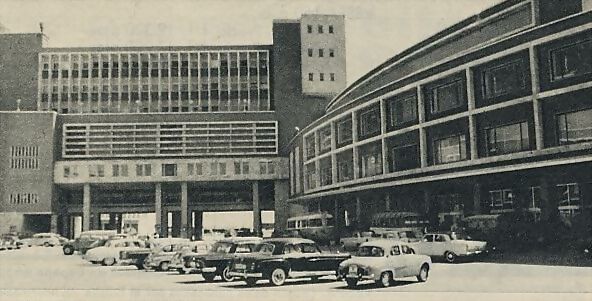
(353, 242)
(278, 259)
(196, 248)
(10, 242)
(85, 239)
(449, 246)
(137, 257)
(43, 239)
(161, 256)
(109, 253)
(405, 236)
(382, 261)
(217, 261)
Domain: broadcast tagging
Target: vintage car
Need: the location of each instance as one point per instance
(139, 257)
(10, 242)
(217, 261)
(85, 239)
(448, 246)
(43, 239)
(196, 248)
(109, 253)
(382, 261)
(353, 242)
(162, 254)
(278, 259)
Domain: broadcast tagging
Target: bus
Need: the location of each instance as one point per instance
(316, 226)
(410, 222)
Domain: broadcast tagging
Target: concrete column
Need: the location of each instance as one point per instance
(280, 205)
(158, 226)
(184, 213)
(471, 107)
(358, 212)
(86, 207)
(355, 152)
(197, 224)
(256, 210)
(53, 223)
(423, 150)
(477, 198)
(536, 103)
(338, 220)
(387, 202)
(548, 200)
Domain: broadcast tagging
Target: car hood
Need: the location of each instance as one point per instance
(363, 261)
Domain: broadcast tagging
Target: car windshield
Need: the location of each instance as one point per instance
(221, 247)
(370, 251)
(266, 248)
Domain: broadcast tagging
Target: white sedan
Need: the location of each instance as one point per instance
(382, 261)
(109, 253)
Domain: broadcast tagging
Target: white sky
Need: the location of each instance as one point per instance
(375, 29)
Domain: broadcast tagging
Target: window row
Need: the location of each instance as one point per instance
(321, 52)
(23, 198)
(311, 77)
(320, 28)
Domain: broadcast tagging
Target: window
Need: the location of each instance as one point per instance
(402, 110)
(534, 205)
(213, 169)
(310, 52)
(320, 28)
(143, 170)
(24, 157)
(321, 53)
(395, 251)
(344, 131)
(446, 97)
(309, 146)
(266, 167)
(345, 168)
(23, 198)
(569, 199)
(70, 171)
(507, 139)
(326, 172)
(571, 61)
(405, 157)
(322, 77)
(169, 170)
(331, 53)
(332, 76)
(311, 76)
(222, 168)
(241, 168)
(330, 28)
(309, 28)
(504, 79)
(502, 199)
(96, 170)
(574, 127)
(370, 121)
(325, 139)
(371, 164)
(119, 170)
(450, 149)
(310, 177)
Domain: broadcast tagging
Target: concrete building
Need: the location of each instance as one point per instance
(489, 116)
(92, 133)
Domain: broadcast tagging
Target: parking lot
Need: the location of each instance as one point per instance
(39, 269)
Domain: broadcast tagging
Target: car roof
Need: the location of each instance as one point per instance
(286, 240)
(241, 239)
(383, 243)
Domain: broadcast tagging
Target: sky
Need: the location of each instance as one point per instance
(375, 29)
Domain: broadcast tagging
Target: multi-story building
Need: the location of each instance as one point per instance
(490, 115)
(96, 132)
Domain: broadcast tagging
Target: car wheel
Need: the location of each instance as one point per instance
(163, 266)
(450, 257)
(278, 277)
(351, 282)
(314, 279)
(181, 271)
(225, 276)
(139, 266)
(251, 281)
(109, 261)
(423, 273)
(145, 266)
(46, 244)
(68, 250)
(209, 277)
(385, 279)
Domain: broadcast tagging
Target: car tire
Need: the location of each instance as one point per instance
(68, 250)
(181, 271)
(139, 266)
(450, 257)
(209, 277)
(163, 266)
(351, 282)
(386, 278)
(314, 279)
(225, 276)
(423, 273)
(108, 261)
(46, 244)
(278, 277)
(145, 266)
(250, 281)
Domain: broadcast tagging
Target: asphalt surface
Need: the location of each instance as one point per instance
(35, 272)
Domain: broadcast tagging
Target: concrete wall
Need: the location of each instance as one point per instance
(18, 70)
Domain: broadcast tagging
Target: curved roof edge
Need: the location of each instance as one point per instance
(439, 35)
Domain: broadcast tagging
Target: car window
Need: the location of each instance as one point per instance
(395, 251)
(428, 238)
(370, 251)
(167, 248)
(440, 238)
(407, 250)
(289, 249)
(119, 245)
(137, 244)
(309, 248)
(244, 248)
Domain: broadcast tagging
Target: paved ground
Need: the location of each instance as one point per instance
(45, 272)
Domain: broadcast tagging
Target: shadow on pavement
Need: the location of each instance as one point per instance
(266, 283)
(371, 285)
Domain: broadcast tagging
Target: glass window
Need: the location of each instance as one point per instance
(504, 79)
(371, 164)
(317, 222)
(446, 97)
(330, 28)
(222, 168)
(501, 199)
(370, 251)
(450, 149)
(402, 110)
(309, 142)
(569, 199)
(320, 28)
(309, 28)
(169, 170)
(345, 168)
(321, 77)
(344, 131)
(310, 76)
(508, 139)
(310, 177)
(575, 127)
(326, 172)
(325, 138)
(405, 157)
(308, 248)
(395, 251)
(370, 121)
(310, 52)
(571, 61)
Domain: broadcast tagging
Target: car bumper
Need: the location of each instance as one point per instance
(245, 275)
(474, 253)
(126, 262)
(359, 277)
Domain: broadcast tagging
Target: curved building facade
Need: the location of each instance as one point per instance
(491, 115)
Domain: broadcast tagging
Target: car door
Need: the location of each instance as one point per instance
(440, 244)
(411, 261)
(315, 261)
(396, 261)
(293, 255)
